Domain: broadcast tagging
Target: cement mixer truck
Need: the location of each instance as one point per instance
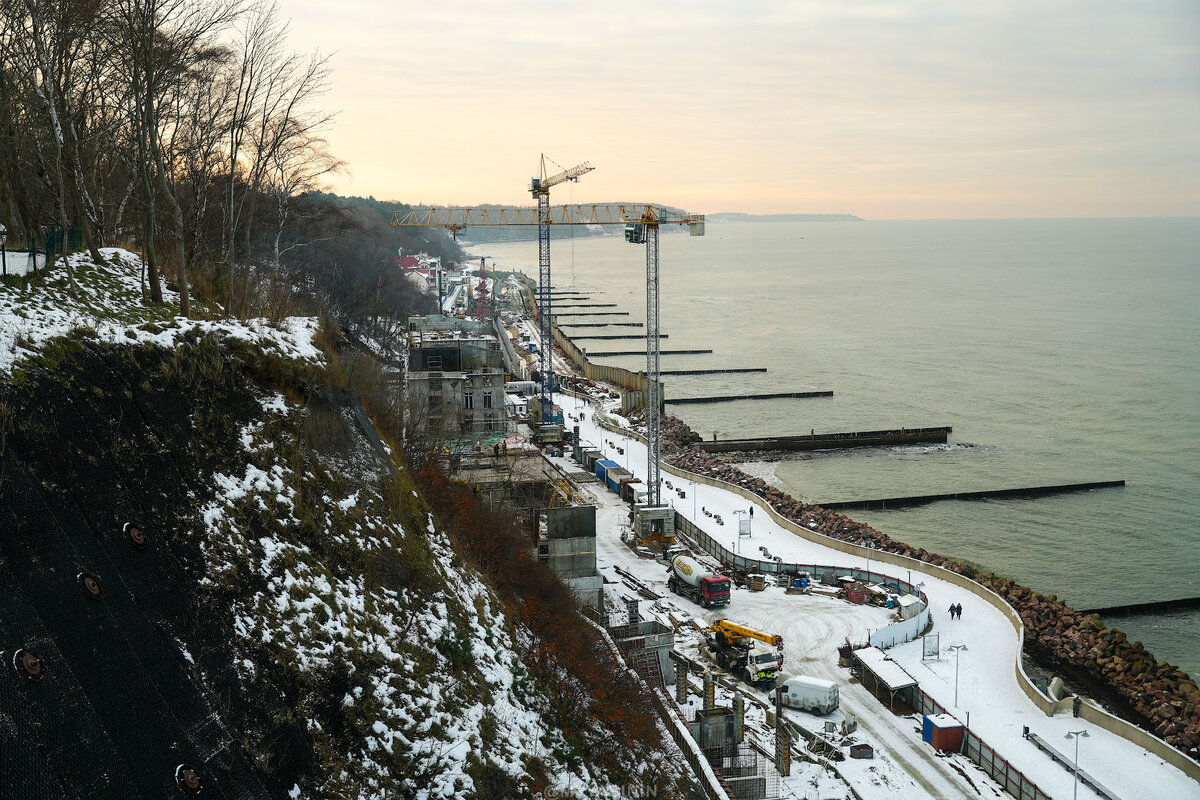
(692, 580)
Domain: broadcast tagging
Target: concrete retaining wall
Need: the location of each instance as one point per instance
(634, 383)
(901, 632)
(1047, 705)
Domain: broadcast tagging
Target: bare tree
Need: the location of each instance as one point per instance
(189, 117)
(283, 123)
(49, 41)
(16, 135)
(161, 40)
(298, 162)
(260, 61)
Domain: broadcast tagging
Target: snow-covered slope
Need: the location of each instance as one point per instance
(299, 624)
(109, 307)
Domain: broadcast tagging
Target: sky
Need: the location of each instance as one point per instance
(900, 110)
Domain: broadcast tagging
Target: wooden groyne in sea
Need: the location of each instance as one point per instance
(602, 325)
(1155, 607)
(710, 371)
(643, 352)
(830, 441)
(727, 398)
(918, 500)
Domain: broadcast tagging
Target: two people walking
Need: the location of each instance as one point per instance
(956, 611)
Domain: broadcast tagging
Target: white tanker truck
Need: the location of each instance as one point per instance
(692, 580)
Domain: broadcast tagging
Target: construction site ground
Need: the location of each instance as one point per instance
(811, 626)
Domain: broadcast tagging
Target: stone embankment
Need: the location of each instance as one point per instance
(1163, 698)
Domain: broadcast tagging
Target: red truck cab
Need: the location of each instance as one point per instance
(715, 590)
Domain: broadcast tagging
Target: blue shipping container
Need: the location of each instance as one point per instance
(604, 465)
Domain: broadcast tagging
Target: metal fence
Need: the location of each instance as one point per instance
(996, 766)
(56, 241)
(773, 567)
(1000, 770)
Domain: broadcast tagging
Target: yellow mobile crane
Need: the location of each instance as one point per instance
(735, 650)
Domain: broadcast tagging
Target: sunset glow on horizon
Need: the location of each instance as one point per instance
(913, 110)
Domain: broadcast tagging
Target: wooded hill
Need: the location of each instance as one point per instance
(190, 132)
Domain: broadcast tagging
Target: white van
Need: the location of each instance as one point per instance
(809, 694)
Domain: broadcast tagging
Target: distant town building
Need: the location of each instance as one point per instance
(421, 269)
(456, 375)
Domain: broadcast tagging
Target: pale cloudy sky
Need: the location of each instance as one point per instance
(918, 109)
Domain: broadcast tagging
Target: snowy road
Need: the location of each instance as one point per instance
(986, 685)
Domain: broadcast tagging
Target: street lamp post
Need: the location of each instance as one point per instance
(694, 503)
(3, 252)
(1076, 735)
(957, 648)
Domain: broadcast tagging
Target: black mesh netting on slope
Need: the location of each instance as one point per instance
(93, 446)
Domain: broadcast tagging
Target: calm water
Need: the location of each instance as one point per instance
(1060, 351)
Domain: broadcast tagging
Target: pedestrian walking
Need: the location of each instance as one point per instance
(958, 610)
(751, 512)
(951, 610)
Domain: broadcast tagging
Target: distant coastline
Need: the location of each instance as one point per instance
(738, 216)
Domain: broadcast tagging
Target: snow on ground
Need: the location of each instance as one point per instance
(109, 302)
(19, 262)
(403, 650)
(987, 684)
(561, 365)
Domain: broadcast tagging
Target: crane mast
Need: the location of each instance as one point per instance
(653, 374)
(540, 188)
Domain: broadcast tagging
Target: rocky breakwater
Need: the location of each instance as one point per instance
(1152, 694)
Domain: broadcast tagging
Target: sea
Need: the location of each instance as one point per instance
(1060, 351)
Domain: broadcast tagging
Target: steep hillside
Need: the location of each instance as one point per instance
(214, 571)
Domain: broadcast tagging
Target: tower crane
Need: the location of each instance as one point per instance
(642, 223)
(539, 186)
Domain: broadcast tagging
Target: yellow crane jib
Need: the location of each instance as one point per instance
(735, 633)
(457, 218)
